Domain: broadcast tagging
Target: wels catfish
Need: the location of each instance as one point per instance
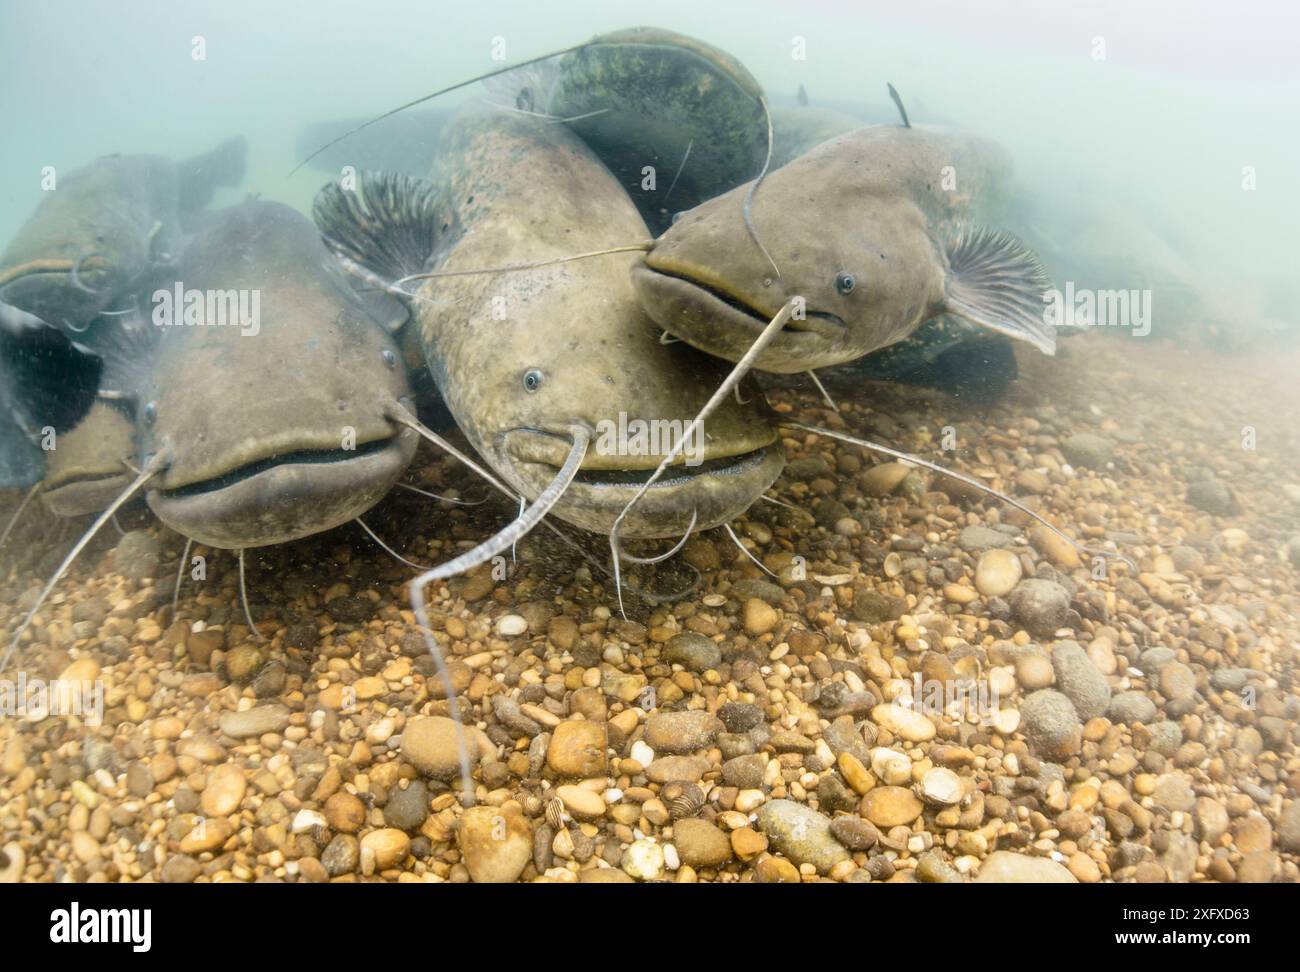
(104, 227)
(877, 231)
(524, 358)
(676, 120)
(268, 402)
(270, 426)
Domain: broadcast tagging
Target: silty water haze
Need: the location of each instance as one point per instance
(1003, 589)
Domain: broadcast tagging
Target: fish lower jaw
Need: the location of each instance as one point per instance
(726, 328)
(715, 492)
(276, 501)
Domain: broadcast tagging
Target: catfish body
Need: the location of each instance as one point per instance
(878, 231)
(275, 428)
(104, 226)
(520, 357)
(676, 120)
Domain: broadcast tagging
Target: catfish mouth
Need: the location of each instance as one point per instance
(287, 496)
(84, 493)
(722, 324)
(712, 492)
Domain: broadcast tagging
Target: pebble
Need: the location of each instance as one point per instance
(1034, 672)
(908, 724)
(891, 806)
(224, 791)
(855, 833)
(701, 844)
(581, 802)
(1288, 828)
(1051, 725)
(1078, 679)
(1130, 708)
(344, 812)
(941, 786)
(429, 744)
(577, 748)
(760, 617)
(1042, 606)
(257, 721)
(1008, 867)
(681, 732)
(407, 807)
(511, 625)
(801, 834)
(692, 651)
(977, 539)
(644, 860)
(997, 573)
(388, 847)
(1088, 449)
(496, 843)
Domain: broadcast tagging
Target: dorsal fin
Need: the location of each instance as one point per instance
(898, 102)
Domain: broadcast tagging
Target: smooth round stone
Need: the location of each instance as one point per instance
(644, 860)
(257, 721)
(345, 813)
(759, 617)
(511, 625)
(701, 844)
(905, 723)
(692, 651)
(854, 773)
(1177, 681)
(1034, 672)
(891, 806)
(1008, 867)
(496, 843)
(581, 802)
(224, 791)
(429, 744)
(387, 847)
(997, 573)
(883, 479)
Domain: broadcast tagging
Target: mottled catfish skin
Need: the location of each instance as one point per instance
(102, 227)
(521, 357)
(523, 191)
(256, 427)
(872, 229)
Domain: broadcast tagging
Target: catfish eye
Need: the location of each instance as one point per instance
(844, 282)
(678, 215)
(150, 412)
(390, 359)
(532, 380)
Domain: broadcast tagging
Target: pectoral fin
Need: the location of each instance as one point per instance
(389, 223)
(997, 282)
